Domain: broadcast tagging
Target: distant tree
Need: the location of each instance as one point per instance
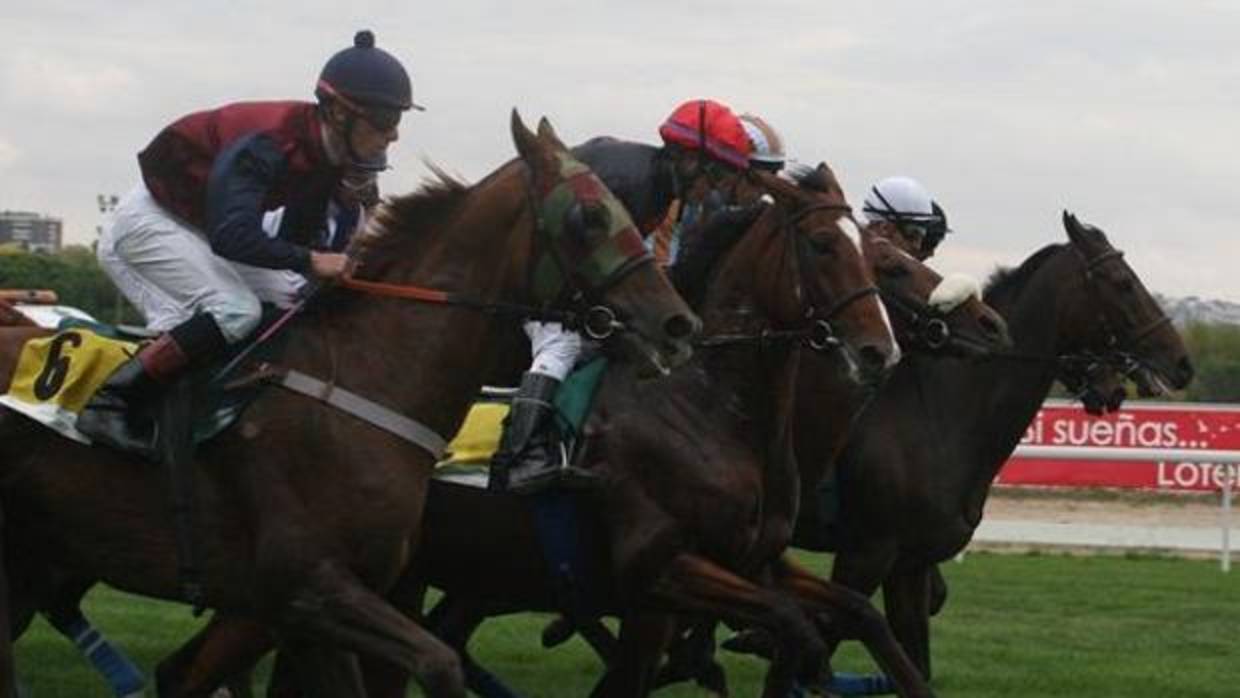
(1215, 353)
(74, 275)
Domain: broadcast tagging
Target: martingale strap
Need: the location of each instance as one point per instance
(368, 411)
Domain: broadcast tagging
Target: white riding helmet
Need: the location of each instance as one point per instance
(903, 201)
(899, 199)
(768, 146)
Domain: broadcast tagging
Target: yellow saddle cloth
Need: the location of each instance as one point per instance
(57, 375)
(468, 458)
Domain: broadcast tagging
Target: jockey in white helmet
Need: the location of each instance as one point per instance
(909, 217)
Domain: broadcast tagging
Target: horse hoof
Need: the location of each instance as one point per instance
(753, 642)
(557, 632)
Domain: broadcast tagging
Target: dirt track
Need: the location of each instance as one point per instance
(1106, 507)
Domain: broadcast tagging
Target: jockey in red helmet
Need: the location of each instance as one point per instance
(704, 151)
(186, 246)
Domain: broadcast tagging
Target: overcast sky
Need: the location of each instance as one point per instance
(1124, 111)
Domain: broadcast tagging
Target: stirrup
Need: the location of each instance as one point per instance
(559, 473)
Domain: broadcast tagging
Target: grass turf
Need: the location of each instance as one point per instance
(1015, 625)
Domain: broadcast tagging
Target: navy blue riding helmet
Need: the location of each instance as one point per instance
(371, 83)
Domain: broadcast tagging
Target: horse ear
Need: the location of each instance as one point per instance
(1071, 225)
(547, 132)
(522, 137)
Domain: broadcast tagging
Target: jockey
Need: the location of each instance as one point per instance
(901, 210)
(186, 246)
(699, 247)
(697, 170)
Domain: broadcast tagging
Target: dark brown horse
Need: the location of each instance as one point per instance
(1072, 309)
(933, 318)
(308, 514)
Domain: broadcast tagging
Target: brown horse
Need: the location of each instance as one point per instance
(681, 515)
(309, 514)
(1072, 309)
(473, 529)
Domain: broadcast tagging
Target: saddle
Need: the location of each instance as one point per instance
(56, 376)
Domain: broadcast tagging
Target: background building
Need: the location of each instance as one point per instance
(31, 231)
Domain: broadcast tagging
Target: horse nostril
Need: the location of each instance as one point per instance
(1185, 368)
(680, 326)
(994, 326)
(873, 359)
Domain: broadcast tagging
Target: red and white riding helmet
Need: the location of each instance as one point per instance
(710, 127)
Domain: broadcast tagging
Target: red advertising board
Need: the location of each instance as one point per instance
(1153, 425)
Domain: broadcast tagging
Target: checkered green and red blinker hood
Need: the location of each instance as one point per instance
(587, 235)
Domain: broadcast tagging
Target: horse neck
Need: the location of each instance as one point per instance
(740, 299)
(825, 411)
(426, 361)
(974, 415)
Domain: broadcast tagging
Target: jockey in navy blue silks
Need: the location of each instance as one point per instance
(187, 247)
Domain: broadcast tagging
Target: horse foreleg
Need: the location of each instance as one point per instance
(643, 638)
(322, 672)
(692, 584)
(335, 608)
(453, 620)
(938, 590)
(853, 615)
(691, 657)
(906, 597)
(224, 651)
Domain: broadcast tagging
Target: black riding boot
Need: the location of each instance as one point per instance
(137, 382)
(529, 458)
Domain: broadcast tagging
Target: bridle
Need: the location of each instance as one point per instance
(929, 328)
(1077, 370)
(816, 331)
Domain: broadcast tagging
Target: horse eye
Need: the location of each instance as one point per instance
(894, 271)
(820, 245)
(596, 215)
(1126, 285)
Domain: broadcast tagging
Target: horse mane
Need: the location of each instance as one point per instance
(398, 220)
(1008, 279)
(704, 245)
(810, 178)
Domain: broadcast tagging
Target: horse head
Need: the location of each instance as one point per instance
(931, 313)
(833, 286)
(1125, 332)
(590, 249)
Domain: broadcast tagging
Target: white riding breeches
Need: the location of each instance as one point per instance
(167, 270)
(554, 348)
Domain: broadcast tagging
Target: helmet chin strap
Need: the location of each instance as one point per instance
(349, 157)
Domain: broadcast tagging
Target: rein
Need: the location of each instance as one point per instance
(597, 322)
